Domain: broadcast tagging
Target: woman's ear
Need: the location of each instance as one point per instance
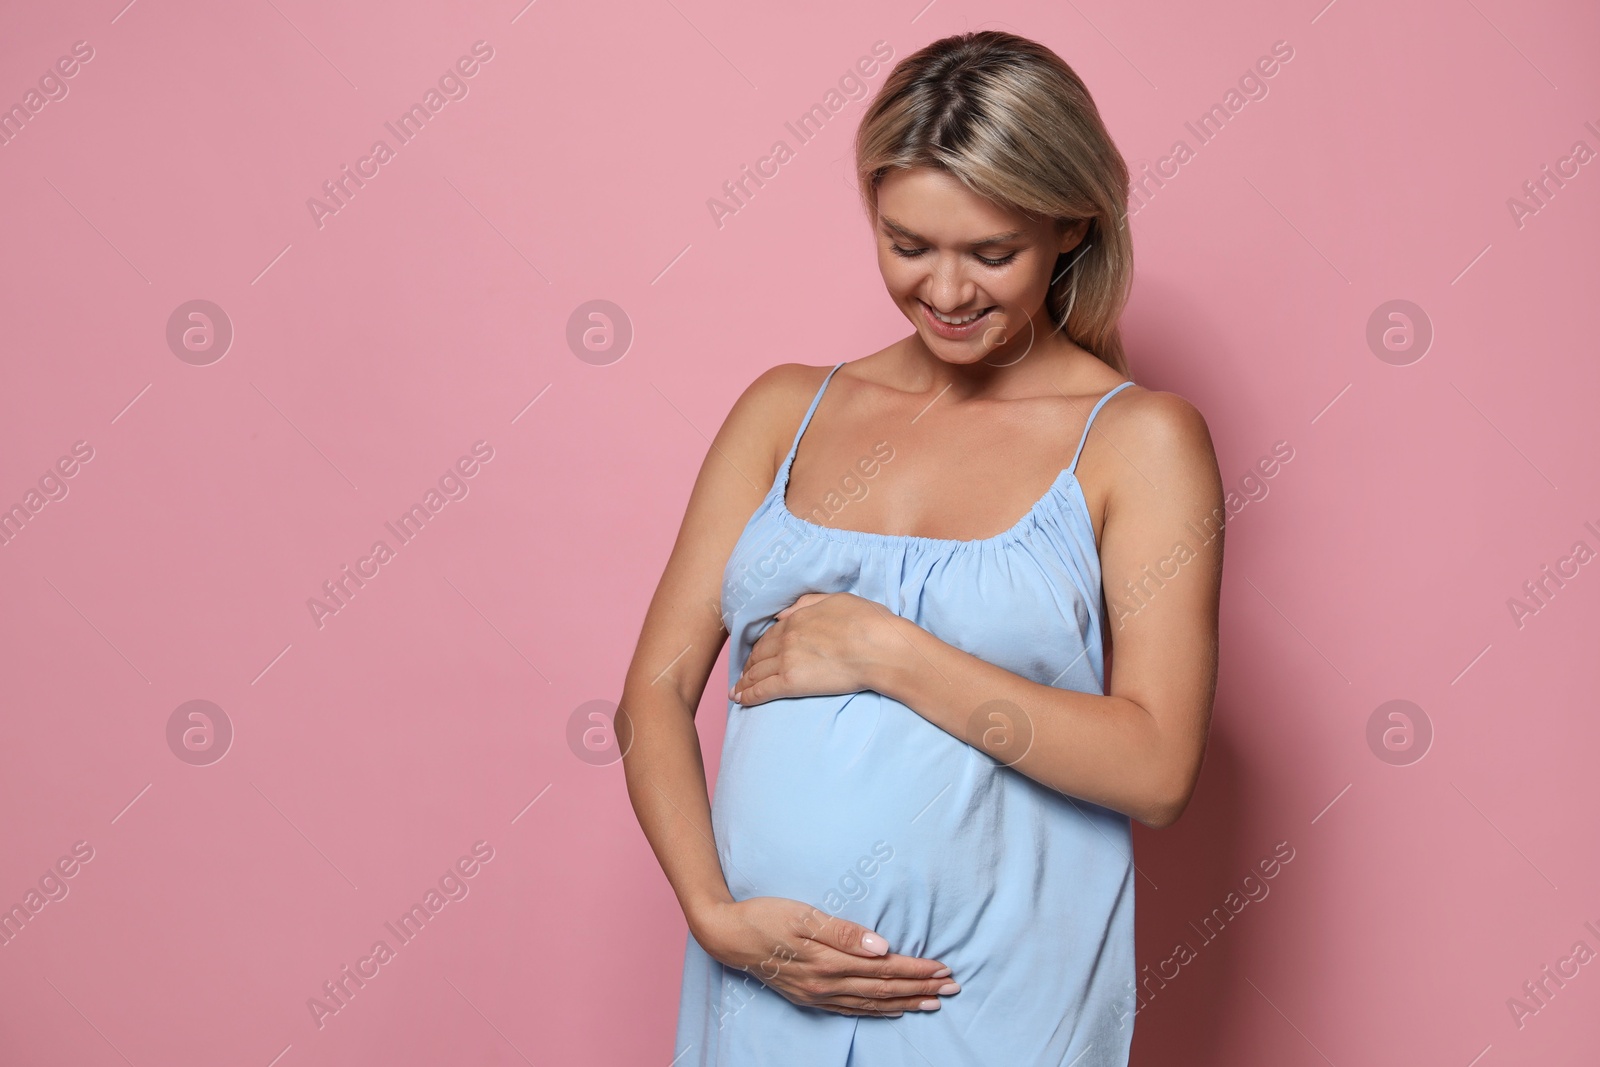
(1072, 234)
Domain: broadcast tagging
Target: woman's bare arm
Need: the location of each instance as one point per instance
(805, 954)
(682, 636)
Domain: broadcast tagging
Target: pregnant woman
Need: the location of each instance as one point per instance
(920, 849)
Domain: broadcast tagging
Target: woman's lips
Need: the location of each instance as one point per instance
(953, 333)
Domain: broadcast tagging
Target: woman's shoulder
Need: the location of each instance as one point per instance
(768, 413)
(786, 381)
(1153, 411)
(783, 390)
(1156, 430)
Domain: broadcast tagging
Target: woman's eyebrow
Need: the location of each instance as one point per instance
(990, 240)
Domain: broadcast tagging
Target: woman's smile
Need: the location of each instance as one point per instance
(954, 327)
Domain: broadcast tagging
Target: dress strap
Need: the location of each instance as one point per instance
(1092, 413)
(810, 411)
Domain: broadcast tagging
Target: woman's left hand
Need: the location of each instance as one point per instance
(823, 643)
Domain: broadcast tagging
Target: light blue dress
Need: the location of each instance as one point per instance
(861, 807)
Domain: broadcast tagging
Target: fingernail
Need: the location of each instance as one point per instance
(929, 1005)
(874, 944)
(942, 972)
(950, 987)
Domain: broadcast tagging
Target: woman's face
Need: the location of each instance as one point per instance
(946, 251)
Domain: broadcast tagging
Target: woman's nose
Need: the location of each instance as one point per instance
(948, 288)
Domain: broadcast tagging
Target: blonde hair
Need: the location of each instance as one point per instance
(1016, 125)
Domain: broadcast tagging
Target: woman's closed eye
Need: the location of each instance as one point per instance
(912, 253)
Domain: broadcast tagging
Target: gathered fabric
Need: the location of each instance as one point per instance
(859, 806)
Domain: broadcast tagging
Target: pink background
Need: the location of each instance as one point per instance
(432, 712)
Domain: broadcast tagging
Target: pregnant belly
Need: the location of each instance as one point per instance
(864, 809)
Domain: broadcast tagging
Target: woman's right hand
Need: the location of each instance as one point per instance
(818, 960)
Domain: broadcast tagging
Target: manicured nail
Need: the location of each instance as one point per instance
(942, 972)
(950, 987)
(874, 944)
(929, 1005)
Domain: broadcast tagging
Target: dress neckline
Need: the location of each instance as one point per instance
(779, 494)
(872, 537)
